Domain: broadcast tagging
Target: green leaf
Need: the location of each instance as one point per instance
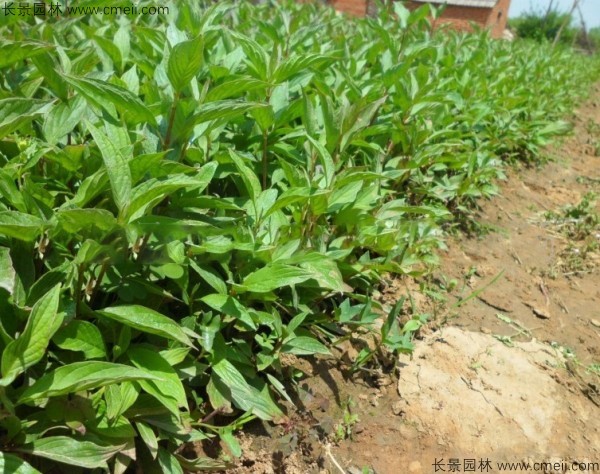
(151, 192)
(274, 276)
(82, 376)
(233, 87)
(71, 451)
(62, 119)
(7, 272)
(11, 464)
(258, 58)
(20, 226)
(223, 110)
(246, 396)
(147, 434)
(326, 160)
(18, 111)
(47, 67)
(299, 64)
(102, 93)
(232, 443)
(169, 386)
(31, 345)
(168, 463)
(75, 220)
(185, 61)
(81, 336)
(304, 345)
(251, 181)
(209, 276)
(205, 464)
(231, 307)
(147, 320)
(119, 398)
(12, 52)
(116, 166)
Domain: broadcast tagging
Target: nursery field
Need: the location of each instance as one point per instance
(198, 206)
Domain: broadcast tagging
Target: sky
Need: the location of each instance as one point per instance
(590, 9)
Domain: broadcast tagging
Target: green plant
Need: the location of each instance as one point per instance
(343, 429)
(580, 225)
(186, 198)
(544, 26)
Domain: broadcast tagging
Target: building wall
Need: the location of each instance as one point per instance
(498, 18)
(353, 7)
(460, 17)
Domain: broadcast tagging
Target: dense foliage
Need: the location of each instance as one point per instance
(186, 198)
(545, 26)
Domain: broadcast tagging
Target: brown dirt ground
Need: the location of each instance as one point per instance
(478, 386)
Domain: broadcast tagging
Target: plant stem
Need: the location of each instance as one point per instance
(265, 162)
(171, 120)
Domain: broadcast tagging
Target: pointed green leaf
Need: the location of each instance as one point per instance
(246, 396)
(76, 220)
(185, 61)
(147, 320)
(223, 110)
(82, 376)
(274, 276)
(169, 386)
(81, 336)
(119, 398)
(116, 166)
(7, 272)
(12, 52)
(20, 226)
(235, 86)
(101, 93)
(71, 451)
(31, 345)
(149, 193)
(149, 437)
(168, 463)
(62, 119)
(231, 307)
(11, 464)
(251, 181)
(18, 111)
(304, 345)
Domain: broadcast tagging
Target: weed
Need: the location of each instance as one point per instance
(343, 430)
(580, 225)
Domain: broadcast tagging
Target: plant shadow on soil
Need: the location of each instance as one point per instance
(511, 376)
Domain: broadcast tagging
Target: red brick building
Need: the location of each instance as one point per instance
(491, 14)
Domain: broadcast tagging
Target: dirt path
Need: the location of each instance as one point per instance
(511, 375)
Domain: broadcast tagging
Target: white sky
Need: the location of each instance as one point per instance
(590, 9)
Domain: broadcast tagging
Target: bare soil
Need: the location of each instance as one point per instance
(503, 377)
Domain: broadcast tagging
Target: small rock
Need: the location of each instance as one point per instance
(539, 312)
(398, 407)
(595, 322)
(485, 330)
(354, 470)
(415, 466)
(384, 380)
